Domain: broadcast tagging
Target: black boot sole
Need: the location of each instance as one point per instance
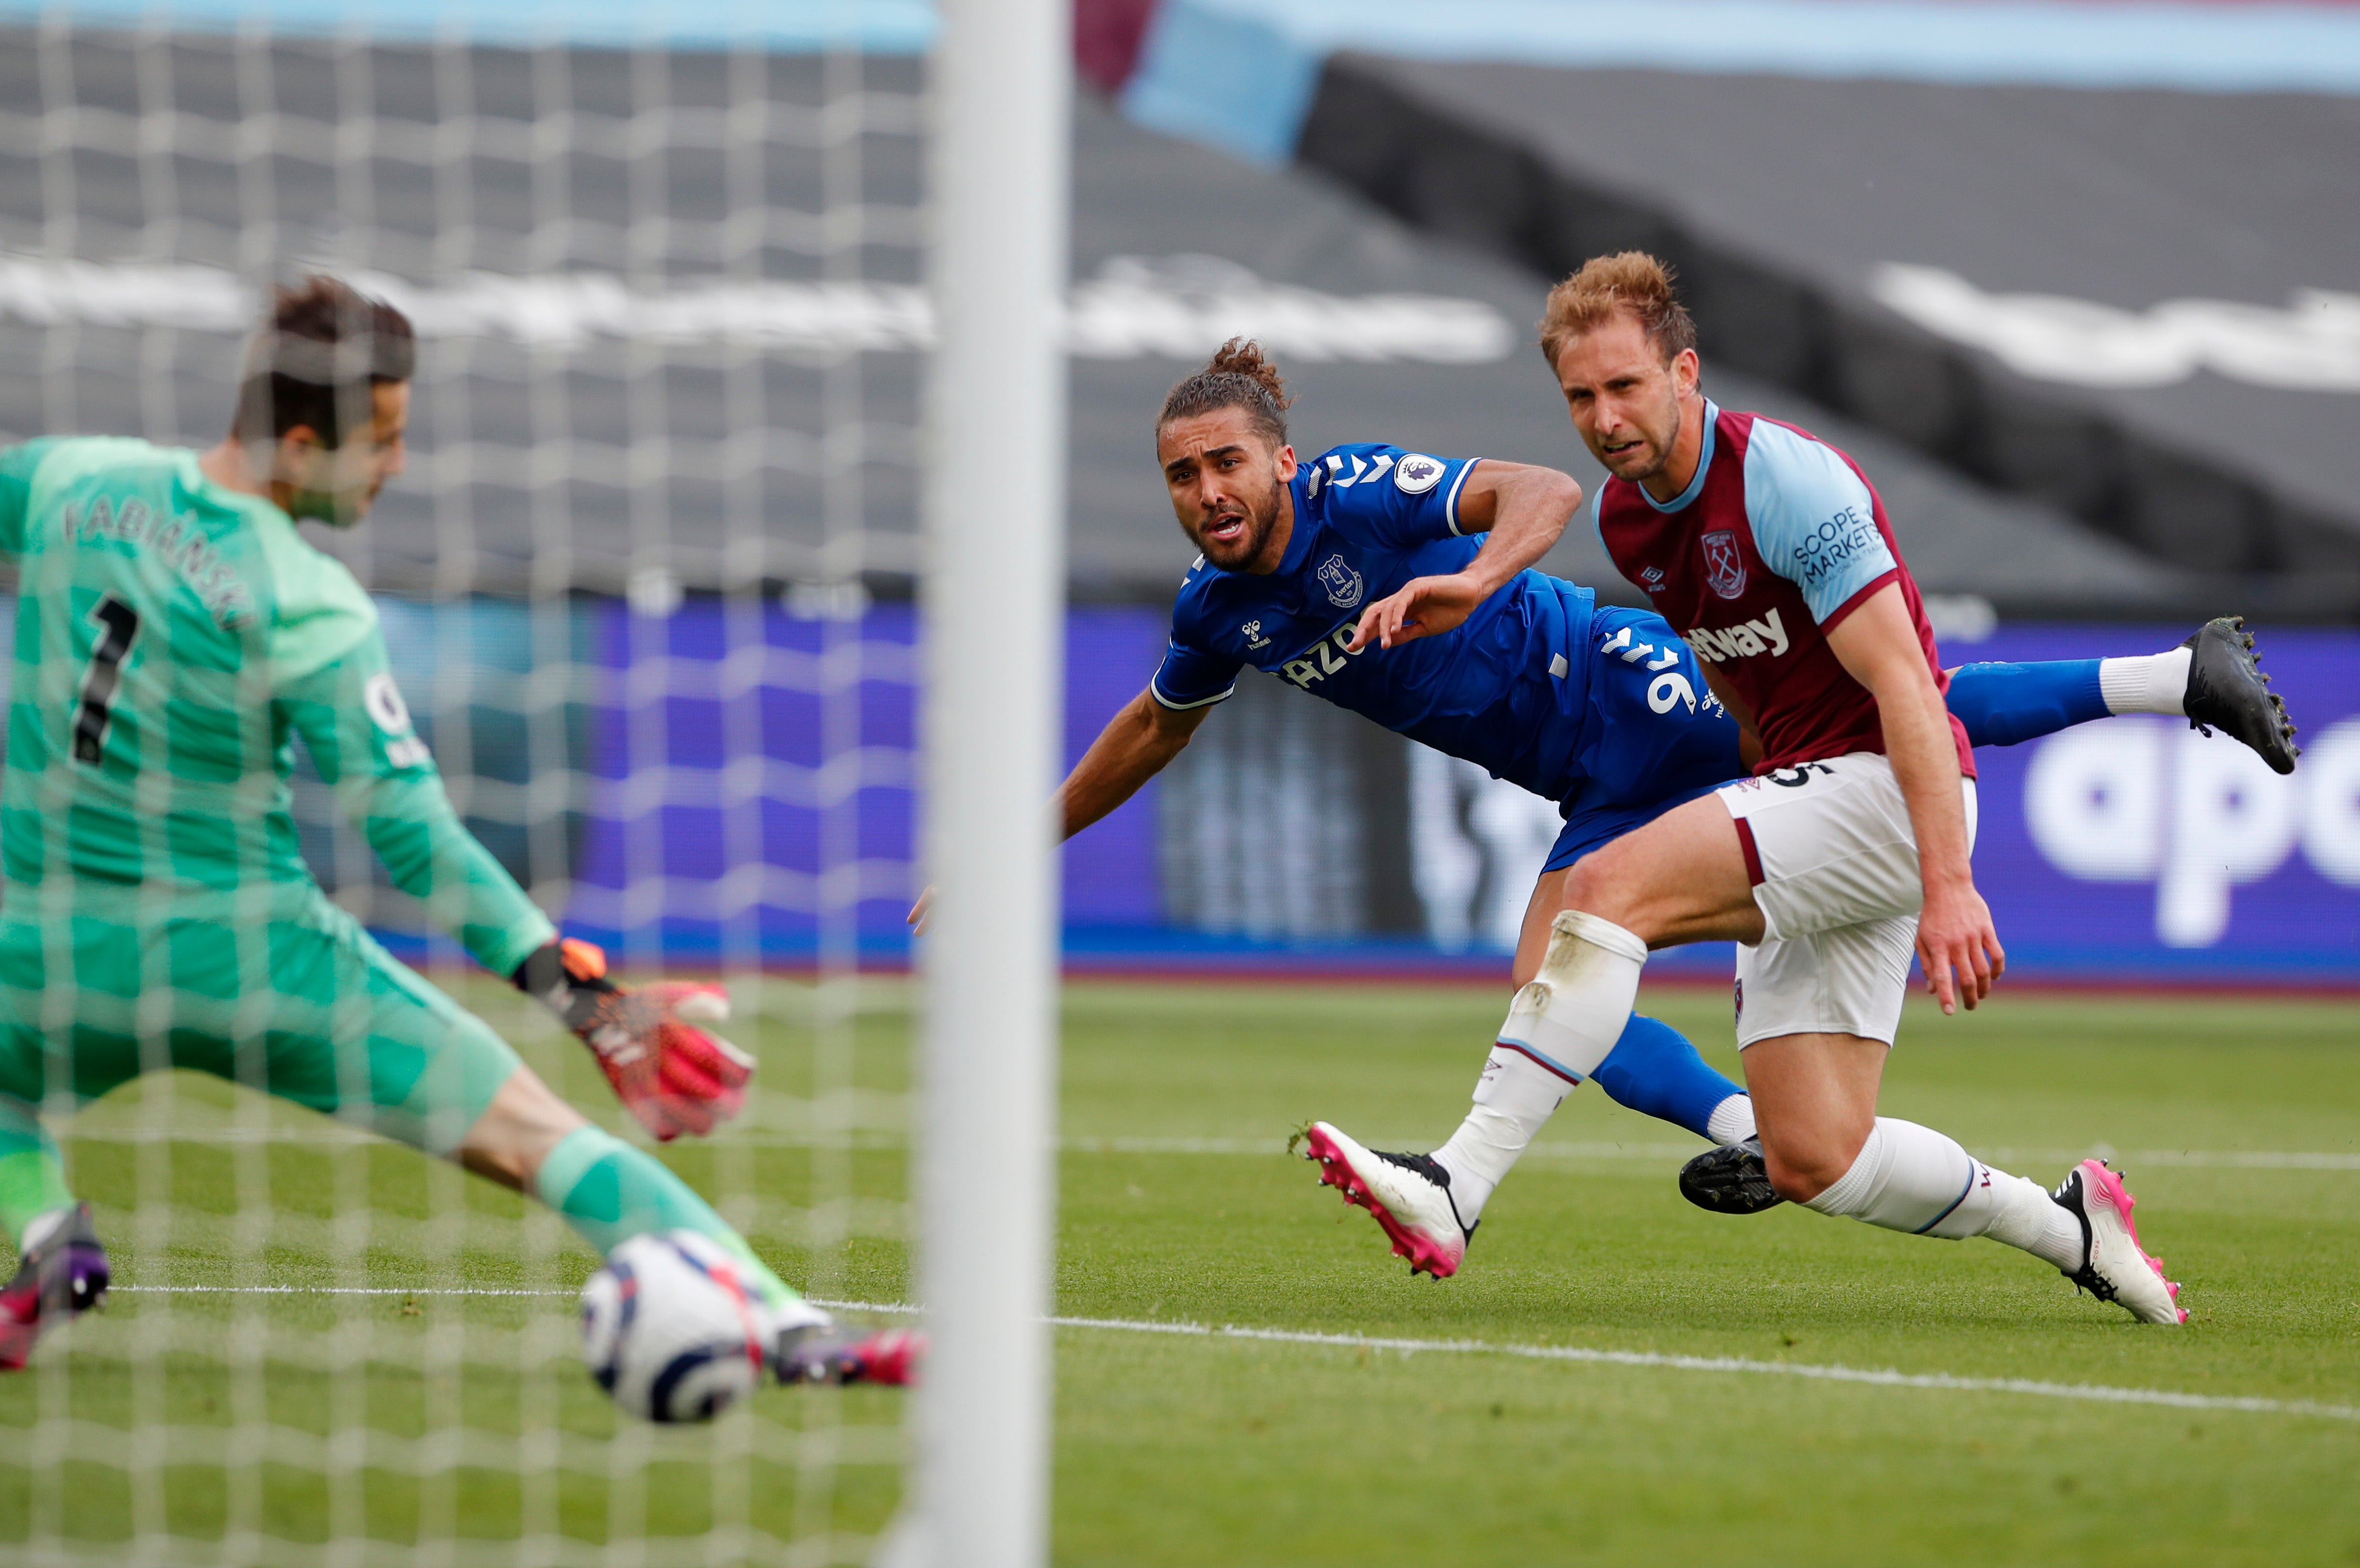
(2228, 692)
(1730, 1179)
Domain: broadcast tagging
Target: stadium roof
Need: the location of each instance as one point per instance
(578, 419)
(2141, 307)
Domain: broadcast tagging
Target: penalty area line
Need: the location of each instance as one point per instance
(1941, 1382)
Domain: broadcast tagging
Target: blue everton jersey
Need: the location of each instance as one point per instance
(1507, 690)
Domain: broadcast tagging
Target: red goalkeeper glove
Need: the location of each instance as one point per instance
(675, 1076)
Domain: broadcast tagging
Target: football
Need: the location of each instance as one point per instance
(669, 1331)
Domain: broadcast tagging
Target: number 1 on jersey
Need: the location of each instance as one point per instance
(119, 623)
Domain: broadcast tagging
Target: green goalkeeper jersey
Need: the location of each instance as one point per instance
(173, 637)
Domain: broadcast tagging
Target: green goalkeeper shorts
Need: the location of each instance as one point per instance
(304, 1005)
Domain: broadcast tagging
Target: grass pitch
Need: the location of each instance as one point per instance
(282, 1420)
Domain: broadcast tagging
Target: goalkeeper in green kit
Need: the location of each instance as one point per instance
(174, 636)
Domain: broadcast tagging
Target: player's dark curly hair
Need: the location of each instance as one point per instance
(324, 347)
(1240, 376)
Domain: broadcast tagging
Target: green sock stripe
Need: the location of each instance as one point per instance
(610, 1192)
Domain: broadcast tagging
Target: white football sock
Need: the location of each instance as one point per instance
(2048, 1232)
(1568, 1016)
(2151, 683)
(1513, 1101)
(1571, 1012)
(1913, 1179)
(1732, 1120)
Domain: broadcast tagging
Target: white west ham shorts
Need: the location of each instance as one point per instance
(1834, 866)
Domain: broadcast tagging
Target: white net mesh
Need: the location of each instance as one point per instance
(645, 584)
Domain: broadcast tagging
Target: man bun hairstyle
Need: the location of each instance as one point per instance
(1633, 281)
(322, 350)
(1240, 375)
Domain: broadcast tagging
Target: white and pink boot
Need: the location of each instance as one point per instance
(1408, 1193)
(2115, 1267)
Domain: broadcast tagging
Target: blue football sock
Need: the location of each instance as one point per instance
(1654, 1071)
(2003, 704)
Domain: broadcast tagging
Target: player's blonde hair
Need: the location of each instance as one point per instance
(1240, 375)
(1632, 281)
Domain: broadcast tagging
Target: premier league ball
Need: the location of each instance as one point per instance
(669, 1330)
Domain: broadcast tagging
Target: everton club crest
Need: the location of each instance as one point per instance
(1342, 583)
(1724, 569)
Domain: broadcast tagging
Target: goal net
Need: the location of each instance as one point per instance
(648, 586)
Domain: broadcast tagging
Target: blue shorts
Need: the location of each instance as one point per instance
(1656, 737)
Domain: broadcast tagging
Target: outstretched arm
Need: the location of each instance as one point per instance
(669, 1072)
(1522, 508)
(1135, 746)
(357, 731)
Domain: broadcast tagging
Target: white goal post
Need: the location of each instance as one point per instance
(993, 599)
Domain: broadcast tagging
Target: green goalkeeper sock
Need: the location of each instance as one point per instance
(32, 1175)
(609, 1193)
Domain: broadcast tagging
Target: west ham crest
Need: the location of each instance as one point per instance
(1342, 583)
(1724, 569)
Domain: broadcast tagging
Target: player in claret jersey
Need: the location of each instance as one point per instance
(174, 634)
(1769, 552)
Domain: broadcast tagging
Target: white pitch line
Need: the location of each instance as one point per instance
(1889, 1377)
(2227, 1159)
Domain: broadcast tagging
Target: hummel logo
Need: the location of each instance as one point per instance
(1253, 632)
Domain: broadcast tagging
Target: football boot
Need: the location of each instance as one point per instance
(63, 1275)
(2115, 1267)
(1408, 1193)
(1729, 1179)
(2228, 692)
(817, 1353)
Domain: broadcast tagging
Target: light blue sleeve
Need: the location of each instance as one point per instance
(1814, 521)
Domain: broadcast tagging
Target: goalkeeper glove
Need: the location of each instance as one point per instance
(673, 1075)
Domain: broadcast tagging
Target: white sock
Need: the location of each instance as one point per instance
(1913, 1179)
(1571, 1012)
(1513, 1101)
(2151, 683)
(1732, 1120)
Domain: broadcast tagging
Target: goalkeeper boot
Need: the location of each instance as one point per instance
(1729, 1179)
(2228, 692)
(63, 1275)
(2115, 1267)
(1408, 1193)
(821, 1353)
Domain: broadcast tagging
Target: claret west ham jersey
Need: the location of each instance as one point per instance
(1508, 688)
(1775, 540)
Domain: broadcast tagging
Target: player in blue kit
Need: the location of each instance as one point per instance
(1397, 584)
